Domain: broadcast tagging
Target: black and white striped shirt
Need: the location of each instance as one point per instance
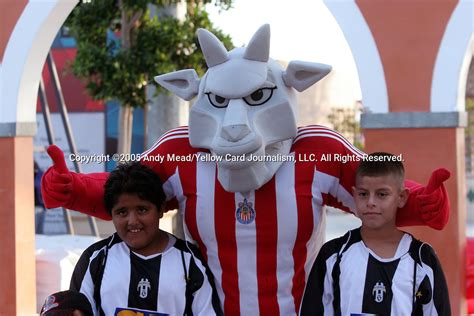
(350, 279)
(173, 282)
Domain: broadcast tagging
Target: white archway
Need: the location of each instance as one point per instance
(448, 89)
(20, 71)
(365, 52)
(24, 57)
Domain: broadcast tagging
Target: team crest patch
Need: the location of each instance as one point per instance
(143, 287)
(245, 212)
(378, 292)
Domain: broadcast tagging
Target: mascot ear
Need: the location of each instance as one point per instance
(302, 75)
(183, 83)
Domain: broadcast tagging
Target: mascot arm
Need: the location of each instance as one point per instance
(75, 191)
(426, 205)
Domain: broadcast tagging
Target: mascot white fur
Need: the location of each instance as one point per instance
(250, 184)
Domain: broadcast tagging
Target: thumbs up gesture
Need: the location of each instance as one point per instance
(57, 181)
(433, 201)
(75, 191)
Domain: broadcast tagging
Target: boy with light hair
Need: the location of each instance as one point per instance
(377, 268)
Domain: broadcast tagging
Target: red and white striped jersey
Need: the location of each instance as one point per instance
(259, 245)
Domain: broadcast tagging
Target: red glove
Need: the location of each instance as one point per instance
(56, 183)
(426, 205)
(470, 271)
(433, 201)
(79, 192)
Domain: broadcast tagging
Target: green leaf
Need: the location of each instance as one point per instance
(157, 45)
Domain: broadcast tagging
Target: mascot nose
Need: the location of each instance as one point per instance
(235, 133)
(235, 125)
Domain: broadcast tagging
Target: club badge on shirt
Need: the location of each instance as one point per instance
(143, 287)
(245, 212)
(378, 291)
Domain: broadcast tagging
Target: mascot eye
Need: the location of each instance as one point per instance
(259, 97)
(217, 100)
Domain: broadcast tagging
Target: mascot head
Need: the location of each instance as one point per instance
(245, 110)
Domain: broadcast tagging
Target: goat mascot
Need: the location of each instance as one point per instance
(257, 214)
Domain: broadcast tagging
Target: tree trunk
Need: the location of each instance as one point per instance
(126, 112)
(125, 126)
(165, 111)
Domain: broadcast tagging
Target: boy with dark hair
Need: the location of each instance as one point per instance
(377, 269)
(141, 268)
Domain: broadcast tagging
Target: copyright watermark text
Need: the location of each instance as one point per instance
(101, 158)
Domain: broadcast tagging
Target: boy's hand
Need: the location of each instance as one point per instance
(57, 182)
(433, 201)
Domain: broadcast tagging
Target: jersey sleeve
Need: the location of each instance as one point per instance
(87, 270)
(202, 303)
(87, 190)
(335, 169)
(348, 159)
(432, 295)
(205, 301)
(333, 160)
(161, 157)
(81, 280)
(318, 296)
